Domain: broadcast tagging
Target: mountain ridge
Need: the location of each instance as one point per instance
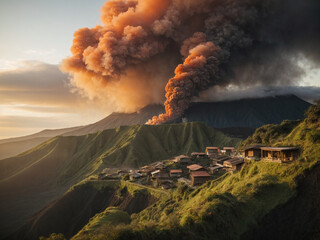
(237, 118)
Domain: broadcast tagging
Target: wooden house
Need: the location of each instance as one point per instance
(234, 164)
(198, 155)
(253, 152)
(279, 154)
(219, 159)
(183, 159)
(214, 169)
(145, 172)
(212, 151)
(175, 173)
(229, 150)
(199, 177)
(195, 167)
(159, 174)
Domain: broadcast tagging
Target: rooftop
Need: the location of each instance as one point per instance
(198, 153)
(182, 156)
(234, 161)
(212, 148)
(279, 148)
(194, 167)
(256, 146)
(200, 174)
(175, 171)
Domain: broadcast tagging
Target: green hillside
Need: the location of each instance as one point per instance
(234, 205)
(43, 173)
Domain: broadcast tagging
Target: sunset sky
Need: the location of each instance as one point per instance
(35, 36)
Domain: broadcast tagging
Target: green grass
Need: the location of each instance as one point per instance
(228, 206)
(112, 216)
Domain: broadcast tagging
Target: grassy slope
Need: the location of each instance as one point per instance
(46, 171)
(231, 205)
(104, 202)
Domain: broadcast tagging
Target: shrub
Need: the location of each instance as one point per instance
(313, 113)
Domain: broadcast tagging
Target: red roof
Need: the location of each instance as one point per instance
(194, 167)
(200, 174)
(176, 171)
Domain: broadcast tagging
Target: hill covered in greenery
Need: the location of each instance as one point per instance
(45, 172)
(264, 199)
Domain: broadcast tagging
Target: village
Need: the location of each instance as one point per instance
(200, 167)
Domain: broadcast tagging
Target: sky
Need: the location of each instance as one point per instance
(35, 36)
(34, 94)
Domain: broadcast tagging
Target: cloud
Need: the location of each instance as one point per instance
(35, 95)
(232, 92)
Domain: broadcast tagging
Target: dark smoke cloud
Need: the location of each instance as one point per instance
(217, 93)
(221, 42)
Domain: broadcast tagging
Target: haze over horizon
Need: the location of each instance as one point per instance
(35, 95)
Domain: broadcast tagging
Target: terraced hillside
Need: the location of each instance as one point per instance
(31, 180)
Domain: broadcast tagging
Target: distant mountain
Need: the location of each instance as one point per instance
(247, 113)
(115, 120)
(14, 146)
(237, 118)
(31, 180)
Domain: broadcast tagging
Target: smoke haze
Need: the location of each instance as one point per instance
(148, 49)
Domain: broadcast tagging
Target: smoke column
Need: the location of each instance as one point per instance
(129, 59)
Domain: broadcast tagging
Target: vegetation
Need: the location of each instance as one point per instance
(51, 168)
(227, 207)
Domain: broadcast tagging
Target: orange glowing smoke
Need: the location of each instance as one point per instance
(180, 89)
(127, 61)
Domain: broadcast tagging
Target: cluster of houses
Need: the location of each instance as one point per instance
(193, 170)
(201, 167)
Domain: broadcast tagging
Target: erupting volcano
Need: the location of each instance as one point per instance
(128, 60)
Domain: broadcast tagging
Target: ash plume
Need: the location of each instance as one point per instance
(129, 59)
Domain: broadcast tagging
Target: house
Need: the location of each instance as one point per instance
(159, 174)
(135, 175)
(199, 178)
(212, 151)
(214, 169)
(234, 164)
(253, 152)
(198, 155)
(279, 154)
(229, 150)
(159, 166)
(176, 173)
(219, 159)
(145, 172)
(183, 159)
(195, 167)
